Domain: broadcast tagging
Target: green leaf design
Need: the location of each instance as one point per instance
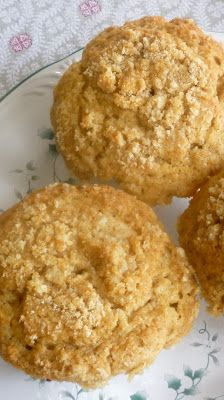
(34, 177)
(215, 337)
(16, 171)
(199, 373)
(46, 134)
(64, 394)
(196, 344)
(217, 350)
(138, 396)
(53, 150)
(188, 371)
(191, 391)
(173, 382)
(18, 194)
(30, 166)
(82, 391)
(215, 360)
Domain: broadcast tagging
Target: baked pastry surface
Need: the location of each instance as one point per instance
(144, 107)
(90, 285)
(201, 231)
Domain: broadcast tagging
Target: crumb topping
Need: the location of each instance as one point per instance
(90, 285)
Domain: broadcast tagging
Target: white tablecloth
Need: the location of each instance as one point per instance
(34, 33)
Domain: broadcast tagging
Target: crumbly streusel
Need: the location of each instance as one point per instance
(144, 107)
(90, 285)
(201, 230)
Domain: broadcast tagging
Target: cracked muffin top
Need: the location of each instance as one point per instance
(144, 107)
(90, 285)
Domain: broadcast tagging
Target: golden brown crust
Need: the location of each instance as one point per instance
(201, 230)
(144, 107)
(90, 285)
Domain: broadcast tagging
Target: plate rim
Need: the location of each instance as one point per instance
(13, 88)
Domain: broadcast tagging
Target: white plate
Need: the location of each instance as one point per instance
(28, 159)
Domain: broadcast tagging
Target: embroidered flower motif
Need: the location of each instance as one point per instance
(20, 42)
(90, 7)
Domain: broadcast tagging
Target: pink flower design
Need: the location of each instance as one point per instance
(20, 42)
(90, 7)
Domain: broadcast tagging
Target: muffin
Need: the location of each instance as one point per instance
(144, 107)
(201, 230)
(90, 285)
